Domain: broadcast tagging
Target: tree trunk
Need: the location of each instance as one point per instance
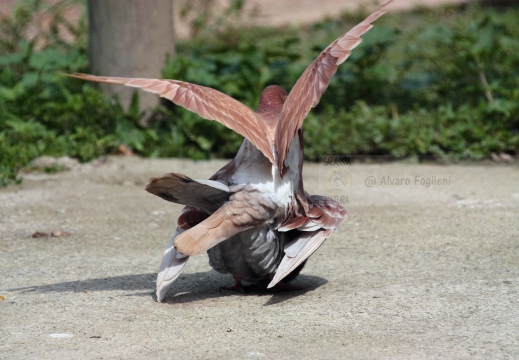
(130, 38)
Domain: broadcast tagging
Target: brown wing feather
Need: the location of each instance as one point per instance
(206, 102)
(298, 250)
(183, 190)
(307, 91)
(324, 213)
(244, 210)
(321, 220)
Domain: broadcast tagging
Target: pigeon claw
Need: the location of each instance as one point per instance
(236, 287)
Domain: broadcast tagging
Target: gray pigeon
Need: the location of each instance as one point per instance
(253, 217)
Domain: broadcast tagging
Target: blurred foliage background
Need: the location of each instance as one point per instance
(441, 82)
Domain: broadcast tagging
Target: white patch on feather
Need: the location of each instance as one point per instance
(255, 170)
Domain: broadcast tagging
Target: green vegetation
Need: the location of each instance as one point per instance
(442, 82)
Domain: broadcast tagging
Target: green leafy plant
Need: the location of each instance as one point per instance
(205, 17)
(438, 82)
(43, 112)
(421, 83)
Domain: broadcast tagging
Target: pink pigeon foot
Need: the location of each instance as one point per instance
(236, 287)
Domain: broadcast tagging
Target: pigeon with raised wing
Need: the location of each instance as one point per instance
(253, 217)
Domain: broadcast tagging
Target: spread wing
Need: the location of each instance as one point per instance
(308, 89)
(322, 219)
(173, 262)
(297, 251)
(206, 102)
(170, 267)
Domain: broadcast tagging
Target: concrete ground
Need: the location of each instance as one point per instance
(415, 272)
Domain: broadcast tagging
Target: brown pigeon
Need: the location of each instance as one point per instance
(253, 216)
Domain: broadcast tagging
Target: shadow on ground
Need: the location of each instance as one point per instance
(188, 288)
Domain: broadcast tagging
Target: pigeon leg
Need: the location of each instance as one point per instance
(236, 287)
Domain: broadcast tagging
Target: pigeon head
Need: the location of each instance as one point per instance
(272, 99)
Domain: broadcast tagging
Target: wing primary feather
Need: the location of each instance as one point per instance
(312, 84)
(299, 251)
(170, 267)
(210, 104)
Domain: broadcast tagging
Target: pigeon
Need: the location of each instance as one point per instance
(252, 217)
